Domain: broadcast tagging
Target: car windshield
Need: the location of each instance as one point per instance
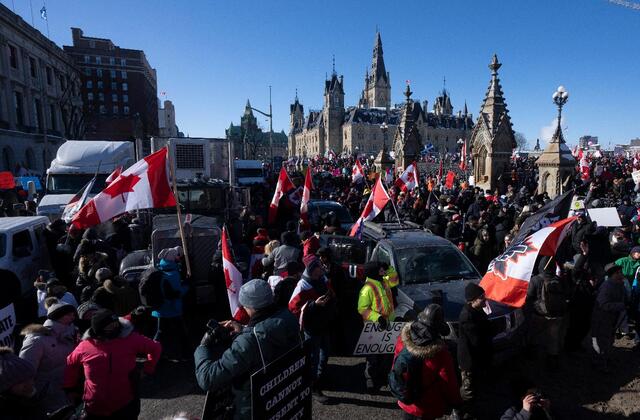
(3, 244)
(72, 183)
(318, 212)
(432, 264)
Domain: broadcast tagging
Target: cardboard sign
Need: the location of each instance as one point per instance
(24, 182)
(282, 390)
(636, 177)
(374, 340)
(607, 216)
(7, 182)
(7, 324)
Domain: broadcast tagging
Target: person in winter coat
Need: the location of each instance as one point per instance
(607, 314)
(271, 332)
(51, 288)
(46, 347)
(310, 243)
(580, 229)
(313, 302)
(435, 385)
(19, 399)
(285, 253)
(171, 332)
(482, 250)
(475, 341)
(106, 360)
(535, 405)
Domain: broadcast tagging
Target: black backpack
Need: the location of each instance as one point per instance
(552, 300)
(405, 377)
(150, 288)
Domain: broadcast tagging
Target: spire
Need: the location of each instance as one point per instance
(333, 63)
(378, 69)
(465, 112)
(494, 108)
(247, 108)
(296, 94)
(407, 92)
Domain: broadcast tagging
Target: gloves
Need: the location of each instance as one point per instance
(382, 323)
(207, 339)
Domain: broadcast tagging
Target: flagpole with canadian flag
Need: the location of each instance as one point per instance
(174, 185)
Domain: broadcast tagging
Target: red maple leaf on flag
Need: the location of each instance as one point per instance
(227, 278)
(125, 184)
(410, 177)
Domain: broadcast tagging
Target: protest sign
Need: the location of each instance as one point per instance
(7, 324)
(282, 390)
(607, 216)
(24, 182)
(375, 340)
(636, 177)
(7, 181)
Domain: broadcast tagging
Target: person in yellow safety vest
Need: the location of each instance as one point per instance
(375, 304)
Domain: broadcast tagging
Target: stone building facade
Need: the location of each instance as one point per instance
(167, 120)
(40, 101)
(250, 142)
(357, 129)
(556, 165)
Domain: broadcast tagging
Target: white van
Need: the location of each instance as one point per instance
(23, 250)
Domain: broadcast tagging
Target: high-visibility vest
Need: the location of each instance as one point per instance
(382, 302)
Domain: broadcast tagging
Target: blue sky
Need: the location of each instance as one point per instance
(213, 55)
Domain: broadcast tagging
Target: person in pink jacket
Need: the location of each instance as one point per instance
(106, 359)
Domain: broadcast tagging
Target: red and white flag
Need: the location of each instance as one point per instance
(409, 178)
(584, 166)
(144, 185)
(77, 201)
(451, 177)
(463, 156)
(304, 203)
(388, 176)
(377, 200)
(112, 177)
(283, 186)
(233, 280)
(357, 173)
(508, 275)
(440, 169)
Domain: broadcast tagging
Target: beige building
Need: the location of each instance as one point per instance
(492, 139)
(357, 129)
(167, 120)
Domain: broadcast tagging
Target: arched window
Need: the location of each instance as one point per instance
(30, 158)
(8, 159)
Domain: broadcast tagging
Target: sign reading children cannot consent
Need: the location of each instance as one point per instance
(375, 340)
(282, 390)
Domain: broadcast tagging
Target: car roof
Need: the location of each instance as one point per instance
(10, 223)
(403, 236)
(325, 203)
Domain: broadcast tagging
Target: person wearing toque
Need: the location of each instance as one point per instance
(230, 353)
(19, 398)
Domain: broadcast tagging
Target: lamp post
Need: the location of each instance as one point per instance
(560, 97)
(270, 116)
(384, 127)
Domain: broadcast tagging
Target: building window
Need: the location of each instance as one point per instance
(13, 56)
(37, 112)
(89, 84)
(98, 59)
(114, 85)
(100, 84)
(124, 75)
(49, 72)
(17, 103)
(125, 86)
(87, 72)
(103, 109)
(99, 72)
(112, 61)
(125, 98)
(52, 115)
(90, 96)
(87, 59)
(32, 67)
(115, 109)
(113, 74)
(123, 62)
(30, 158)
(114, 98)
(101, 97)
(125, 110)
(92, 44)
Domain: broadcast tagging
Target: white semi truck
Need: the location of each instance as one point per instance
(76, 162)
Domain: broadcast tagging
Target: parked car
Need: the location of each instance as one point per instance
(430, 269)
(320, 211)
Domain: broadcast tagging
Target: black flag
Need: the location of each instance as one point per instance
(551, 212)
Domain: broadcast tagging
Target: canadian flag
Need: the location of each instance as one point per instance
(112, 177)
(440, 169)
(233, 279)
(377, 200)
(283, 186)
(306, 196)
(584, 166)
(77, 201)
(508, 275)
(388, 176)
(451, 177)
(409, 178)
(463, 156)
(144, 185)
(357, 173)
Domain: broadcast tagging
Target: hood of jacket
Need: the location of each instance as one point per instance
(166, 265)
(423, 352)
(35, 329)
(126, 328)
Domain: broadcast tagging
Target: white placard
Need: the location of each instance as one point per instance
(607, 216)
(7, 324)
(636, 177)
(472, 180)
(374, 340)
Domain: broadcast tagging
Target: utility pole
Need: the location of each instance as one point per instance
(270, 116)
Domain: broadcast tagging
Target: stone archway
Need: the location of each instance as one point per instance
(30, 159)
(8, 159)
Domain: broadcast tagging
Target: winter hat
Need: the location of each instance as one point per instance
(101, 319)
(87, 308)
(103, 274)
(431, 319)
(13, 369)
(472, 292)
(59, 309)
(170, 254)
(372, 270)
(256, 294)
(634, 249)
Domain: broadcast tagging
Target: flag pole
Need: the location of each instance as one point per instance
(392, 200)
(172, 171)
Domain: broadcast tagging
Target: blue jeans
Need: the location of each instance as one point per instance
(319, 345)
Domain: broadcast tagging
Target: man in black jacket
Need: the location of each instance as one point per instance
(475, 341)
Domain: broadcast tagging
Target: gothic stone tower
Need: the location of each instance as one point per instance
(407, 142)
(333, 114)
(377, 85)
(296, 123)
(492, 138)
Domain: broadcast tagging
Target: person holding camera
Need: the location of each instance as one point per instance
(230, 353)
(535, 405)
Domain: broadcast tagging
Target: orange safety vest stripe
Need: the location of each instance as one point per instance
(380, 308)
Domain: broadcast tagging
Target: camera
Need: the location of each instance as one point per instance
(217, 333)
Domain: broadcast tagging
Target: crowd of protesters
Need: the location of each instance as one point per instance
(83, 347)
